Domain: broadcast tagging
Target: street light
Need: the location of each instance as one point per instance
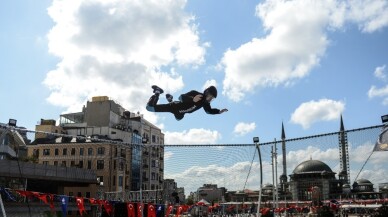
(12, 122)
(256, 141)
(384, 119)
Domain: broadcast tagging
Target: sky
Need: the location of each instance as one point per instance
(302, 63)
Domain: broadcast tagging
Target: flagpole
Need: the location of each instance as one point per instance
(2, 207)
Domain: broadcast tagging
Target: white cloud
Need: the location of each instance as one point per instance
(244, 128)
(380, 73)
(370, 15)
(378, 92)
(295, 42)
(104, 45)
(192, 136)
(374, 91)
(313, 111)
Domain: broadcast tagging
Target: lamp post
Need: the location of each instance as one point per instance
(256, 141)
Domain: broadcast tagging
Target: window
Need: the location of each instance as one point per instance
(46, 152)
(63, 163)
(114, 181)
(56, 152)
(81, 151)
(121, 166)
(90, 151)
(45, 162)
(55, 163)
(100, 150)
(65, 151)
(87, 194)
(153, 139)
(120, 180)
(36, 153)
(73, 151)
(100, 164)
(72, 163)
(152, 176)
(89, 164)
(81, 164)
(153, 163)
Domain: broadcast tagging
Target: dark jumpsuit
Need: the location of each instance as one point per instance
(183, 106)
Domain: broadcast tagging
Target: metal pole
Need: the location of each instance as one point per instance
(276, 175)
(261, 179)
(2, 207)
(273, 176)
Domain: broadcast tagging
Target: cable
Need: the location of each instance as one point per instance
(249, 172)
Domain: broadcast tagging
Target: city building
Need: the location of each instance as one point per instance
(211, 193)
(312, 174)
(19, 172)
(120, 146)
(170, 192)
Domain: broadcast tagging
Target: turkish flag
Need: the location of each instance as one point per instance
(108, 207)
(179, 211)
(52, 207)
(151, 210)
(131, 209)
(80, 205)
(169, 210)
(140, 210)
(25, 193)
(42, 197)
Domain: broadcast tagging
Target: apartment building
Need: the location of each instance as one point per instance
(122, 148)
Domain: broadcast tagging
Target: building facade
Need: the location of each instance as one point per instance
(121, 147)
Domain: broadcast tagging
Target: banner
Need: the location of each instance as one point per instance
(108, 207)
(140, 210)
(131, 209)
(64, 204)
(80, 205)
(160, 210)
(169, 210)
(52, 207)
(382, 141)
(151, 210)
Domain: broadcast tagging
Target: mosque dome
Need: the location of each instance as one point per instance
(312, 166)
(364, 182)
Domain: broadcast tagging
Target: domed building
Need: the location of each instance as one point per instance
(313, 178)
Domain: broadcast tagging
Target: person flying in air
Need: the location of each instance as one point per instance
(188, 102)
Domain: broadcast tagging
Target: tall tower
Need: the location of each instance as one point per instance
(283, 177)
(344, 174)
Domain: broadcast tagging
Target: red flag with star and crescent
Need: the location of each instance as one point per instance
(131, 209)
(169, 210)
(151, 210)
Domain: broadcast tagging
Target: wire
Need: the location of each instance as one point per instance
(249, 172)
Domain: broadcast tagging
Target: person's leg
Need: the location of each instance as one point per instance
(169, 97)
(152, 102)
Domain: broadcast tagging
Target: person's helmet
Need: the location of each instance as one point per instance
(211, 90)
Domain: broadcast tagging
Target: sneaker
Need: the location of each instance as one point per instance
(157, 89)
(169, 97)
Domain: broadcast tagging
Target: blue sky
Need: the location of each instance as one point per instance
(300, 62)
